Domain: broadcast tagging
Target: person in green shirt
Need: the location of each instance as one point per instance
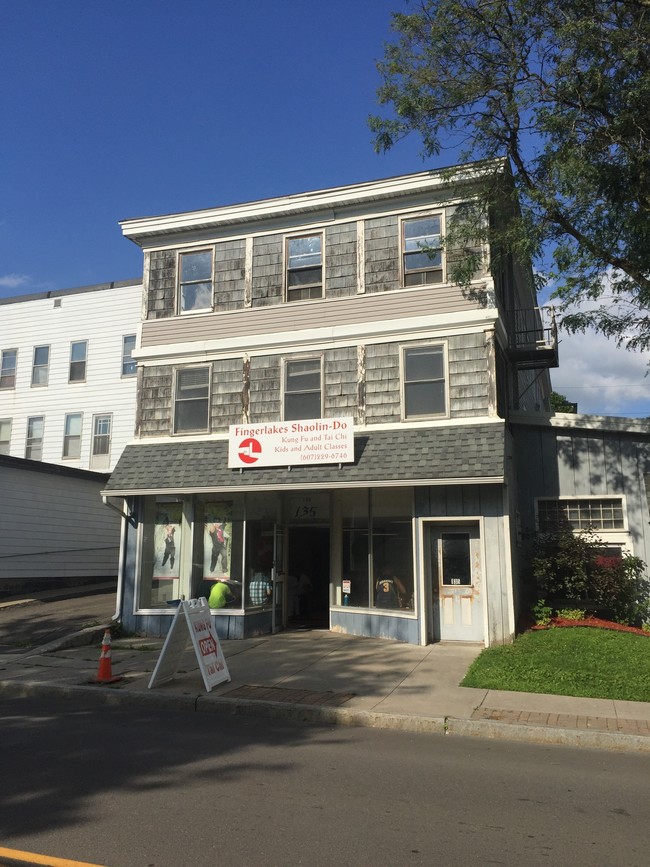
(220, 595)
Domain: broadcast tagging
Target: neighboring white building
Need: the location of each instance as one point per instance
(67, 379)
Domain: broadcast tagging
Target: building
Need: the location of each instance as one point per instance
(67, 376)
(321, 408)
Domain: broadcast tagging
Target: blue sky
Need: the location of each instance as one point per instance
(125, 108)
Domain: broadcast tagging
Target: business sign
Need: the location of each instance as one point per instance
(196, 616)
(289, 443)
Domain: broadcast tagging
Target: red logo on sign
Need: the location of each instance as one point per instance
(249, 450)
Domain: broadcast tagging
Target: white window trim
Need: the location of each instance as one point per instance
(289, 360)
(194, 431)
(98, 460)
(407, 218)
(179, 284)
(71, 362)
(294, 237)
(65, 457)
(2, 355)
(46, 366)
(402, 377)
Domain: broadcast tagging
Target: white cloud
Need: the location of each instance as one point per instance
(602, 378)
(13, 281)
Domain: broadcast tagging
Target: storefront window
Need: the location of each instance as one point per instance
(217, 556)
(161, 552)
(392, 548)
(355, 544)
(261, 518)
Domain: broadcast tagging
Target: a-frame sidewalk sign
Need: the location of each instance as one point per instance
(195, 615)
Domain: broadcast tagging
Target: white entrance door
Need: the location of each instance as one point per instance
(456, 577)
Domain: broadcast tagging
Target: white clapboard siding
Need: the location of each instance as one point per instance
(100, 315)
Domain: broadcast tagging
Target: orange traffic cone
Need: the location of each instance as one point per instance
(104, 673)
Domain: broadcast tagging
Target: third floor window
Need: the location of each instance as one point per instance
(78, 358)
(195, 281)
(304, 268)
(8, 368)
(421, 251)
(41, 365)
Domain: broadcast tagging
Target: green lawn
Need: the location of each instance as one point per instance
(595, 663)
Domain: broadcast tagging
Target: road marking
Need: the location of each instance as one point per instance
(46, 860)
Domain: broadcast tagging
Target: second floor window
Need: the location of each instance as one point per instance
(34, 441)
(5, 436)
(101, 444)
(41, 365)
(192, 400)
(424, 381)
(8, 368)
(129, 365)
(195, 281)
(72, 435)
(304, 268)
(78, 356)
(421, 251)
(302, 389)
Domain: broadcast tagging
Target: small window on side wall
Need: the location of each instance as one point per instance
(424, 381)
(78, 358)
(421, 251)
(72, 435)
(304, 268)
(302, 389)
(101, 444)
(129, 365)
(34, 441)
(192, 400)
(5, 436)
(41, 365)
(8, 368)
(195, 281)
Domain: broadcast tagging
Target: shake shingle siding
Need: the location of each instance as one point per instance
(161, 291)
(267, 271)
(381, 254)
(341, 260)
(229, 274)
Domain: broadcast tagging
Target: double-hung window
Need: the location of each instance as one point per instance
(101, 443)
(424, 381)
(40, 365)
(5, 436)
(8, 368)
(421, 251)
(304, 267)
(302, 389)
(78, 358)
(195, 281)
(129, 365)
(72, 435)
(192, 399)
(34, 441)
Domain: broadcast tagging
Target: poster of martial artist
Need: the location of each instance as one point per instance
(167, 541)
(217, 540)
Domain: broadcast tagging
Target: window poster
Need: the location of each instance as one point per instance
(167, 541)
(217, 540)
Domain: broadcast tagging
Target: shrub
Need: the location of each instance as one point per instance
(542, 613)
(570, 567)
(571, 613)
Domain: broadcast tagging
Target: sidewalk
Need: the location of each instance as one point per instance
(323, 677)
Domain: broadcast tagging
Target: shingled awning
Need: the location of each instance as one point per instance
(459, 454)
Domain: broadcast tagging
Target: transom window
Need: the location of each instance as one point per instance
(192, 399)
(421, 251)
(424, 381)
(195, 281)
(129, 365)
(302, 389)
(72, 435)
(78, 357)
(581, 514)
(41, 365)
(8, 368)
(304, 268)
(34, 441)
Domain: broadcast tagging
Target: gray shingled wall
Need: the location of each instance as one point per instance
(468, 375)
(382, 254)
(341, 382)
(226, 394)
(161, 291)
(229, 273)
(341, 260)
(382, 383)
(265, 375)
(156, 401)
(267, 270)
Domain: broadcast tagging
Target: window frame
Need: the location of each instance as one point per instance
(8, 372)
(286, 362)
(577, 500)
(29, 441)
(309, 287)
(180, 283)
(74, 343)
(127, 356)
(97, 458)
(69, 438)
(36, 367)
(404, 271)
(178, 371)
(441, 347)
(7, 442)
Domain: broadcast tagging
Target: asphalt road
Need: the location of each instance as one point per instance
(142, 788)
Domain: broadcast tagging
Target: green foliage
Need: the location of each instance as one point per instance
(562, 91)
(571, 613)
(570, 566)
(542, 613)
(559, 403)
(596, 663)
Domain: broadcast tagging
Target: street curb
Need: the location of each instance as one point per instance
(486, 729)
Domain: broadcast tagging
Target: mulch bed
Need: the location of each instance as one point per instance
(594, 622)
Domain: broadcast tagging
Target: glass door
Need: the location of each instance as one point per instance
(456, 580)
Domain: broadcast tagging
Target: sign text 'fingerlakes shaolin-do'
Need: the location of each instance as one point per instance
(289, 443)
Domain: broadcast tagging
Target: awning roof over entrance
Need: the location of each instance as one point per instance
(461, 454)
